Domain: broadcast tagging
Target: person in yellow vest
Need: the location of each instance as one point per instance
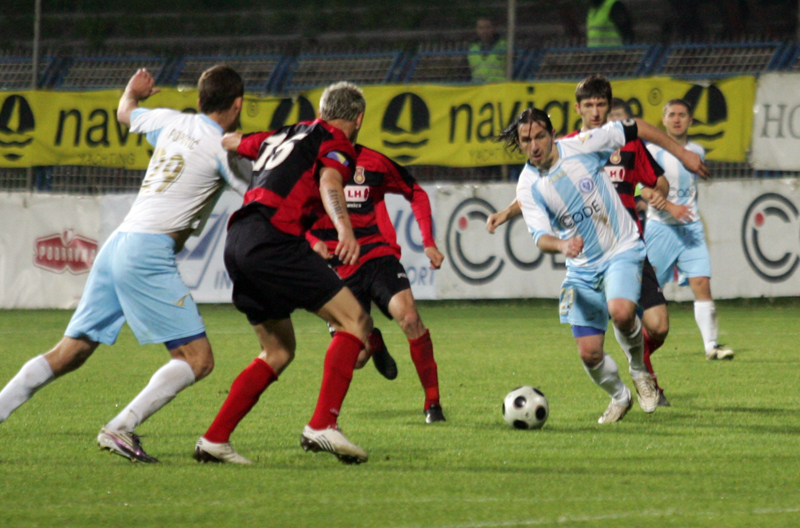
(608, 24)
(487, 57)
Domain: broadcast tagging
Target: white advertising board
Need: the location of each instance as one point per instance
(752, 229)
(776, 123)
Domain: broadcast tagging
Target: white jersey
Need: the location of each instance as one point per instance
(682, 183)
(577, 198)
(186, 175)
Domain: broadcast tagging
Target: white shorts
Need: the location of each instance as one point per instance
(135, 278)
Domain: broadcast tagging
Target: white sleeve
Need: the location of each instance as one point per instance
(144, 120)
(608, 137)
(535, 216)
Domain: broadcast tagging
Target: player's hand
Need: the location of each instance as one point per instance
(321, 249)
(435, 255)
(693, 162)
(572, 247)
(657, 200)
(348, 249)
(495, 220)
(231, 140)
(142, 85)
(681, 213)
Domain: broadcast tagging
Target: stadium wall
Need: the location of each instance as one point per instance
(752, 228)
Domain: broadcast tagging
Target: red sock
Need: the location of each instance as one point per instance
(336, 376)
(422, 356)
(650, 346)
(245, 392)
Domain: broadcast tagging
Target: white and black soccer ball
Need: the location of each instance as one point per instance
(526, 408)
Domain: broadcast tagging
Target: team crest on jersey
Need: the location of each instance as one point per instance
(586, 185)
(359, 176)
(615, 158)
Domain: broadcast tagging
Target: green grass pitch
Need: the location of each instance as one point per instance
(725, 454)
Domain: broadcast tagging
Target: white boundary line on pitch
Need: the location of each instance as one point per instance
(562, 519)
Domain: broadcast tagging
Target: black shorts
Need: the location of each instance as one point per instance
(378, 280)
(652, 294)
(274, 273)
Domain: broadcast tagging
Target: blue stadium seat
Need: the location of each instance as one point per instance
(712, 61)
(310, 71)
(93, 73)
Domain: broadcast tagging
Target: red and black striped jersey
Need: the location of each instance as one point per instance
(375, 176)
(629, 166)
(286, 167)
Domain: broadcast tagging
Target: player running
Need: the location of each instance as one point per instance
(626, 167)
(298, 175)
(570, 207)
(681, 243)
(379, 276)
(134, 277)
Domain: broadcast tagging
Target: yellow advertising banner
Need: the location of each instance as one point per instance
(451, 126)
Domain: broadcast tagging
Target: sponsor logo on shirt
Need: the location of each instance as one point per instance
(356, 193)
(65, 251)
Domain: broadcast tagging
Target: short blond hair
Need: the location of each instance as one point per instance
(342, 100)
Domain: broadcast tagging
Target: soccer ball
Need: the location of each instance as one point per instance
(526, 408)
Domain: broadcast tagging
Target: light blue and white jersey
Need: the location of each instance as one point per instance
(682, 183)
(576, 197)
(186, 175)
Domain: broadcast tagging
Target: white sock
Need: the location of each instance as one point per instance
(33, 375)
(165, 384)
(705, 313)
(633, 346)
(606, 375)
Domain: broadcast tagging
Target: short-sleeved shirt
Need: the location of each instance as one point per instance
(682, 183)
(187, 172)
(375, 176)
(575, 197)
(286, 169)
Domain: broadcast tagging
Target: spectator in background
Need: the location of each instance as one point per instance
(608, 23)
(487, 57)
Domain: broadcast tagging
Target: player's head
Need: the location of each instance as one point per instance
(593, 100)
(677, 117)
(620, 110)
(484, 27)
(532, 134)
(220, 93)
(218, 88)
(343, 102)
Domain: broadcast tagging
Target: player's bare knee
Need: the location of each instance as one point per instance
(411, 324)
(277, 358)
(591, 357)
(69, 354)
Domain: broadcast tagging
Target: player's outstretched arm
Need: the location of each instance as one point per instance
(231, 141)
(690, 160)
(332, 193)
(140, 87)
(495, 220)
(571, 247)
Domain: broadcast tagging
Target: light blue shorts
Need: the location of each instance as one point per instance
(585, 292)
(135, 278)
(683, 246)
